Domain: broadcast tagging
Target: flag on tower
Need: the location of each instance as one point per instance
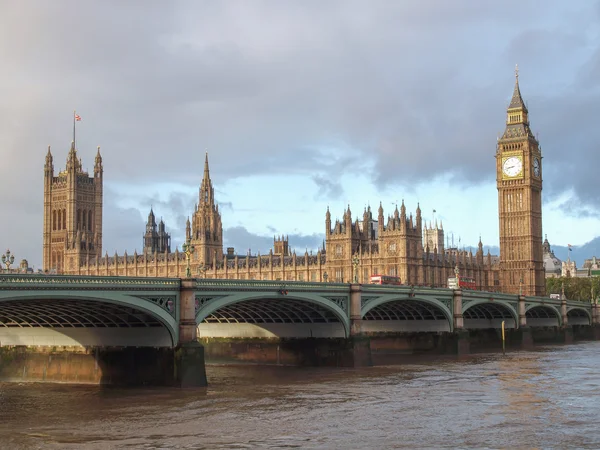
(77, 117)
(570, 247)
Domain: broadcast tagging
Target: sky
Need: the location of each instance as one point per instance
(301, 106)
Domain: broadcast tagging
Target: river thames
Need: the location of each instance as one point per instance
(545, 398)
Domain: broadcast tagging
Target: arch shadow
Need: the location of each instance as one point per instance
(393, 313)
(80, 337)
(543, 316)
(72, 313)
(260, 315)
(578, 316)
(481, 314)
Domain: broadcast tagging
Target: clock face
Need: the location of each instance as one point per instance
(512, 166)
(536, 167)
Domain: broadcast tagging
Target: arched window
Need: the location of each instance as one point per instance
(90, 220)
(54, 220)
(59, 221)
(64, 219)
(78, 223)
(84, 220)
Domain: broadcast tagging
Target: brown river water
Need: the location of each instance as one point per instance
(548, 398)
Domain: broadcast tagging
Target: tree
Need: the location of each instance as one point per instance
(575, 288)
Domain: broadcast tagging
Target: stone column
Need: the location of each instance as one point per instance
(458, 321)
(522, 316)
(189, 354)
(523, 333)
(595, 321)
(354, 310)
(359, 345)
(566, 330)
(463, 346)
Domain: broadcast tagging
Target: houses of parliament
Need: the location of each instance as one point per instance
(399, 244)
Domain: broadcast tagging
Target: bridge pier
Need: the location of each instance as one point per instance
(190, 370)
(566, 334)
(463, 340)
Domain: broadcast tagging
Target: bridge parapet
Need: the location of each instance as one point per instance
(35, 281)
(261, 285)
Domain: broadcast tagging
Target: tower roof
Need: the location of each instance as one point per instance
(517, 121)
(206, 169)
(517, 100)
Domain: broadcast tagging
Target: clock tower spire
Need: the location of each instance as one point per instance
(519, 183)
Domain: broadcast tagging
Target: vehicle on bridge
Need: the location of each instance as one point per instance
(461, 283)
(385, 279)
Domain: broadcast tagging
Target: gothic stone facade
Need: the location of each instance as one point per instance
(519, 182)
(393, 248)
(397, 245)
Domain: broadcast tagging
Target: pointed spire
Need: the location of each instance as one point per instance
(72, 161)
(206, 169)
(517, 101)
(206, 189)
(49, 166)
(98, 164)
(151, 218)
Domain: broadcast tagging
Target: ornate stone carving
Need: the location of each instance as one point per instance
(166, 303)
(342, 302)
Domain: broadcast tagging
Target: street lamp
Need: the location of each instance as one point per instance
(188, 249)
(8, 259)
(202, 270)
(521, 286)
(325, 277)
(355, 263)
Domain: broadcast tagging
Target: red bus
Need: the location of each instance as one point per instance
(385, 279)
(463, 283)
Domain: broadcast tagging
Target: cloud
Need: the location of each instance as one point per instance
(243, 241)
(414, 89)
(327, 187)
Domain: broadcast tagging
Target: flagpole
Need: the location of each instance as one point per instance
(74, 127)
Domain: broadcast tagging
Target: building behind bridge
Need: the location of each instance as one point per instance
(398, 244)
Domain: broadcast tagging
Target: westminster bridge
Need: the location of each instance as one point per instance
(162, 319)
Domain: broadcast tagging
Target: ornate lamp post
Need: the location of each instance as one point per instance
(521, 286)
(188, 249)
(457, 273)
(325, 277)
(202, 270)
(8, 259)
(355, 263)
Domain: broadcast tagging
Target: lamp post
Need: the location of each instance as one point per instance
(188, 249)
(325, 277)
(521, 286)
(8, 259)
(457, 274)
(202, 270)
(355, 263)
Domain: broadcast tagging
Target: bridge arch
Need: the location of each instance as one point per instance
(543, 315)
(406, 312)
(482, 313)
(578, 316)
(86, 318)
(270, 314)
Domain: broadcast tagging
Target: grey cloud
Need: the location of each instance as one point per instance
(418, 88)
(242, 241)
(328, 188)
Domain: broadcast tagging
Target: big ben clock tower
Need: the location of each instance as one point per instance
(519, 182)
